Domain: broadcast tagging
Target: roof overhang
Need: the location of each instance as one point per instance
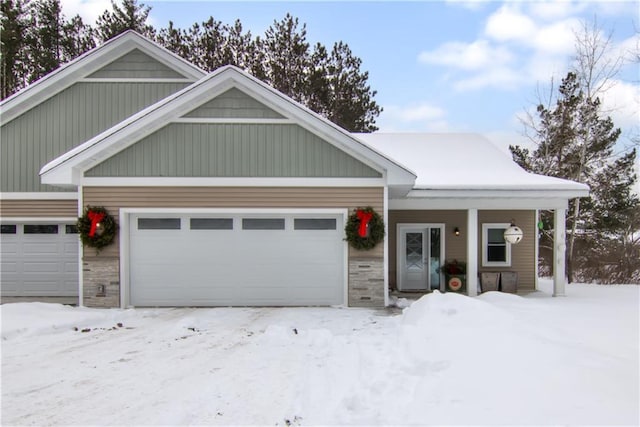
(513, 198)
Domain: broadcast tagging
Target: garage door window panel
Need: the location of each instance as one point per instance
(314, 224)
(263, 223)
(158, 223)
(211, 223)
(71, 229)
(8, 229)
(40, 229)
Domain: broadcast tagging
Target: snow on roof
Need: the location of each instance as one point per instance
(461, 161)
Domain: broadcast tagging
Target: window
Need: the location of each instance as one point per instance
(314, 224)
(263, 223)
(8, 229)
(211, 223)
(495, 251)
(71, 229)
(158, 223)
(40, 229)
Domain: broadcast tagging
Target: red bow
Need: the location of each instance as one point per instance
(95, 218)
(364, 218)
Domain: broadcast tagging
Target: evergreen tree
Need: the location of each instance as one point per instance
(287, 57)
(351, 104)
(574, 142)
(78, 38)
(13, 61)
(44, 38)
(131, 16)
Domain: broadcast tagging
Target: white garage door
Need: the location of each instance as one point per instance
(241, 260)
(39, 259)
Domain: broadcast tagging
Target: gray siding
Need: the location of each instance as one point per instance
(64, 121)
(234, 104)
(232, 150)
(136, 64)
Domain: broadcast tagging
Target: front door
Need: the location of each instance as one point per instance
(420, 256)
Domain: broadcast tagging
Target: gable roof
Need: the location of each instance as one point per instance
(464, 162)
(88, 63)
(67, 169)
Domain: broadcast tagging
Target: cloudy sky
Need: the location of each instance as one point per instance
(444, 65)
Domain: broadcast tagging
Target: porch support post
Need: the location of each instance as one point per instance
(559, 249)
(472, 252)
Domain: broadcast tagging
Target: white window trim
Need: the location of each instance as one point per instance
(485, 232)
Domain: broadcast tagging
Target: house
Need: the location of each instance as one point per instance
(227, 192)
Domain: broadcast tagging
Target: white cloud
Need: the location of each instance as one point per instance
(557, 9)
(509, 24)
(89, 10)
(499, 78)
(477, 55)
(415, 117)
(621, 100)
(557, 38)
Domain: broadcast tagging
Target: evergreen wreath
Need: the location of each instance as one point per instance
(364, 229)
(96, 227)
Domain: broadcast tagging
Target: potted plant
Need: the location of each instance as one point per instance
(455, 273)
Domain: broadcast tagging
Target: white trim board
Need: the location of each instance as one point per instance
(42, 220)
(67, 195)
(478, 203)
(232, 182)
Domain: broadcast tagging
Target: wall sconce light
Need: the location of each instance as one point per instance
(456, 231)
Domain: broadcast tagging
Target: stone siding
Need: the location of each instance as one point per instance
(101, 281)
(366, 282)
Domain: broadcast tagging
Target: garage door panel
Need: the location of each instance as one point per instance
(239, 266)
(41, 262)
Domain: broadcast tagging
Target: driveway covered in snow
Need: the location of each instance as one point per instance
(447, 359)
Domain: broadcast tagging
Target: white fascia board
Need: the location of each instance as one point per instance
(498, 194)
(478, 203)
(230, 182)
(67, 195)
(85, 65)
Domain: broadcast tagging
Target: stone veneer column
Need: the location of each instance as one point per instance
(366, 282)
(101, 281)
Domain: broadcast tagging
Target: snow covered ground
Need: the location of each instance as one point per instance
(447, 359)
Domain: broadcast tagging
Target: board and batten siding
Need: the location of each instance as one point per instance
(135, 64)
(234, 104)
(64, 121)
(232, 150)
(114, 198)
(38, 208)
(523, 258)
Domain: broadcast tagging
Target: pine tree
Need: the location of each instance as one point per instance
(131, 16)
(13, 61)
(287, 57)
(574, 142)
(44, 38)
(78, 38)
(351, 105)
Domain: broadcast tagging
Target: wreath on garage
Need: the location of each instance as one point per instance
(96, 227)
(364, 229)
